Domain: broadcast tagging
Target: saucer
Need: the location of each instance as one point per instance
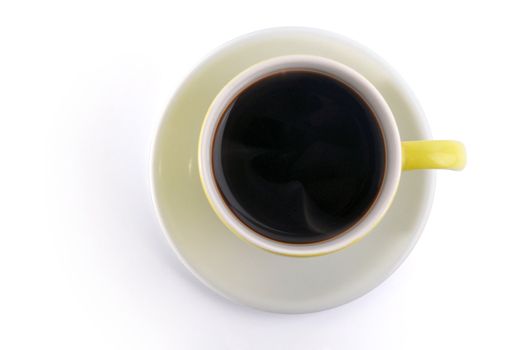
(240, 271)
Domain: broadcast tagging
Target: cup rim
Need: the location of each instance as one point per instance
(366, 91)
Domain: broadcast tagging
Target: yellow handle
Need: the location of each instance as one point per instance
(433, 154)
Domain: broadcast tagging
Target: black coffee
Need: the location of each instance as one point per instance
(299, 157)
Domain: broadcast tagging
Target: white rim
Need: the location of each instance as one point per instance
(363, 87)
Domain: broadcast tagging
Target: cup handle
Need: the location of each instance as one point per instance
(433, 154)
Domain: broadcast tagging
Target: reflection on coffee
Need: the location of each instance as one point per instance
(299, 157)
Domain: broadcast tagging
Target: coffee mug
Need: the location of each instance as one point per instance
(300, 155)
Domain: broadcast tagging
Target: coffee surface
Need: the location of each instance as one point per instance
(299, 157)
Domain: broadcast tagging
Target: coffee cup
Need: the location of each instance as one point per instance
(300, 155)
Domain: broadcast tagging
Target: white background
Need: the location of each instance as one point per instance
(83, 262)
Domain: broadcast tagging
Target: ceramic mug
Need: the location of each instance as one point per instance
(400, 156)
